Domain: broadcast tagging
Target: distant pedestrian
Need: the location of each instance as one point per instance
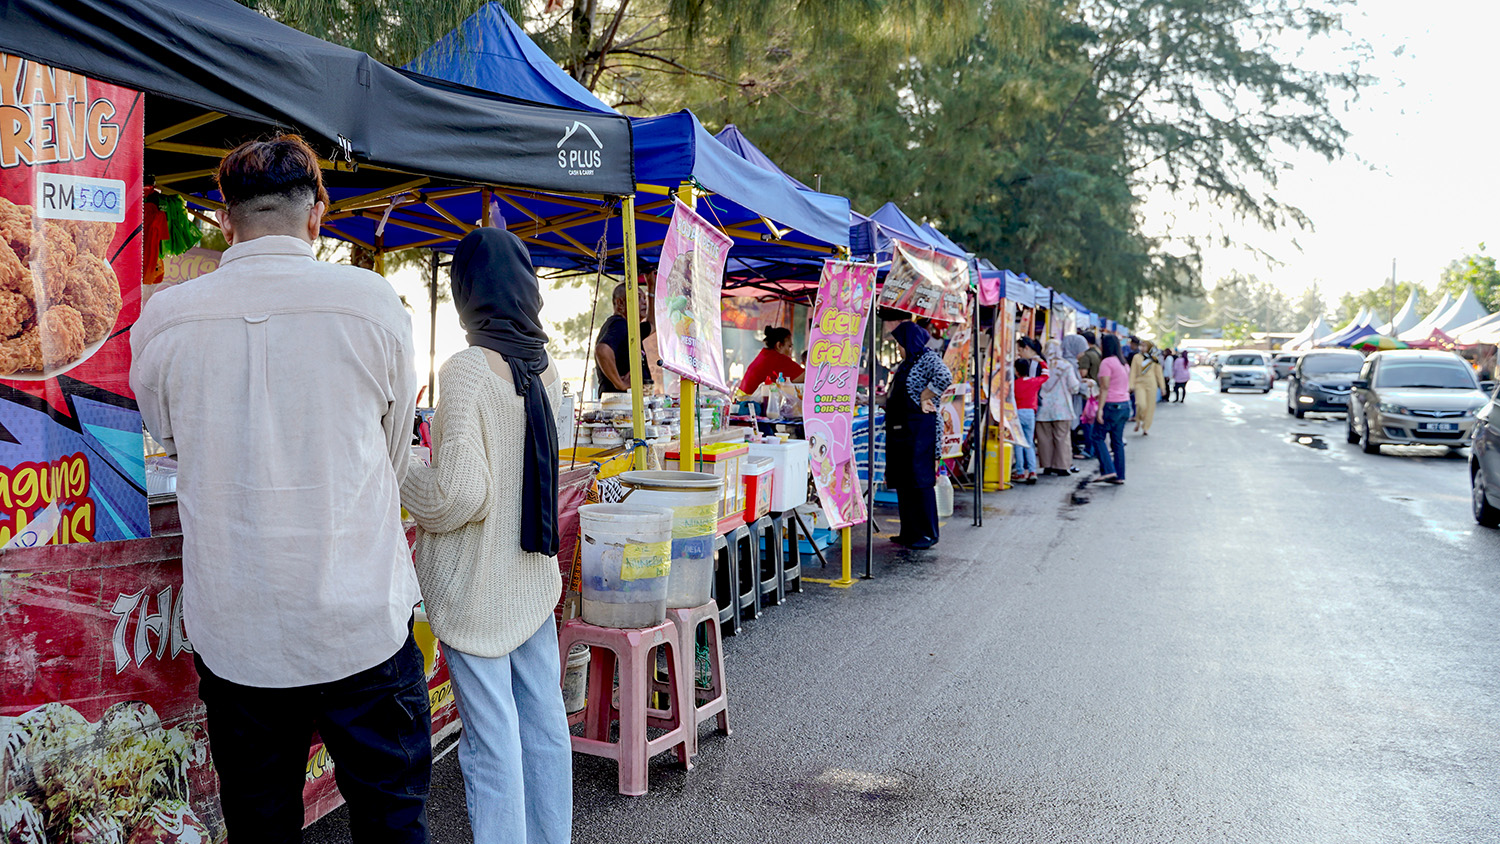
(1055, 414)
(1031, 375)
(1182, 373)
(1088, 372)
(1147, 381)
(1113, 413)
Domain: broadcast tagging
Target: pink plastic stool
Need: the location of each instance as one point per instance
(717, 701)
(632, 648)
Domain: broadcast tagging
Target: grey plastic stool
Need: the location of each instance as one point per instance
(791, 568)
(748, 546)
(726, 584)
(766, 538)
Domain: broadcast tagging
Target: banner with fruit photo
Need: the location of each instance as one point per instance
(71, 452)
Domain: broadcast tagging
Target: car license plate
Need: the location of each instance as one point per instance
(1437, 426)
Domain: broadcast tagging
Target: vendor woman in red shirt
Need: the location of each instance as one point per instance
(774, 361)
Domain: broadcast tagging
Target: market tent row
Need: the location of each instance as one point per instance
(1406, 317)
(1315, 330)
(407, 160)
(1359, 326)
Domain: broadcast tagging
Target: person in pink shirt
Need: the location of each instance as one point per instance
(1114, 412)
(1182, 370)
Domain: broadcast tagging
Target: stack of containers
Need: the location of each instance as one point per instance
(693, 498)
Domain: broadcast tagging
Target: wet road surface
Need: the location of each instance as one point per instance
(1264, 636)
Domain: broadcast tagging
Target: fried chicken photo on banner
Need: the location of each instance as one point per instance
(58, 293)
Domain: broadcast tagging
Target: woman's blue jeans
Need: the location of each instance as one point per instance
(516, 756)
(1026, 455)
(1112, 454)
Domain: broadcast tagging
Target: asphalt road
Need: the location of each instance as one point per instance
(1264, 636)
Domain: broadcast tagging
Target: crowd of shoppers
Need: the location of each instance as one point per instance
(1075, 399)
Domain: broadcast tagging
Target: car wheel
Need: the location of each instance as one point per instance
(1349, 433)
(1223, 389)
(1367, 445)
(1266, 390)
(1485, 513)
(1299, 413)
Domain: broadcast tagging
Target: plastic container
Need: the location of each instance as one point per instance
(694, 500)
(760, 475)
(944, 494)
(576, 679)
(789, 487)
(625, 561)
(723, 460)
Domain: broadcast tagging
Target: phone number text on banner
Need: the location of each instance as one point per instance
(833, 355)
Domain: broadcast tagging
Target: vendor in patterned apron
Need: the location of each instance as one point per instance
(911, 435)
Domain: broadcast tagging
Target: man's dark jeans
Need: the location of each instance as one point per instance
(375, 724)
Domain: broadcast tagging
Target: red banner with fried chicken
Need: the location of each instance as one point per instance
(72, 463)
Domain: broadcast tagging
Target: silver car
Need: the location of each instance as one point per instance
(1413, 397)
(1248, 368)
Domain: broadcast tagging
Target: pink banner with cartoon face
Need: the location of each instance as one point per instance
(833, 355)
(689, 322)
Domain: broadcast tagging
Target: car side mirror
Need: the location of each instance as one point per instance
(1361, 383)
(1488, 387)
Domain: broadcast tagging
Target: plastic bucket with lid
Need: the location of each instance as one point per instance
(576, 678)
(625, 559)
(694, 499)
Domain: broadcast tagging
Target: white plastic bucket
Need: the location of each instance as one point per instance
(626, 557)
(694, 499)
(576, 679)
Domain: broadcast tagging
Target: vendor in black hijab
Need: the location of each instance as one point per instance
(911, 435)
(487, 542)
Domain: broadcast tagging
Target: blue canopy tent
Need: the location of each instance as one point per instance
(767, 216)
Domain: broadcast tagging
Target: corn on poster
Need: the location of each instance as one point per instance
(71, 453)
(833, 356)
(689, 281)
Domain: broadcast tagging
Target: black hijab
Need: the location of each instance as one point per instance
(499, 304)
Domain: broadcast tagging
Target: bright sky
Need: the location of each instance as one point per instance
(1422, 181)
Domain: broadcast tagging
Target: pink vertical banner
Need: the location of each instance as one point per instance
(833, 354)
(689, 281)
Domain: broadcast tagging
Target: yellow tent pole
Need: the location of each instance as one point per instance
(633, 329)
(687, 411)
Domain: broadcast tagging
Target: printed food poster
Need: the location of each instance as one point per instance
(689, 322)
(833, 357)
(71, 452)
(927, 283)
(101, 730)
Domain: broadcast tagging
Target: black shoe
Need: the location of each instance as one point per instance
(922, 544)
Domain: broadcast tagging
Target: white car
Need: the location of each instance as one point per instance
(1248, 368)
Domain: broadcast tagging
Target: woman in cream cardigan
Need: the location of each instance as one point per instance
(487, 541)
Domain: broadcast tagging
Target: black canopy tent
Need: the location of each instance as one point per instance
(215, 71)
(409, 161)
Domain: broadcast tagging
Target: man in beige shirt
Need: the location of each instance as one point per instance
(285, 387)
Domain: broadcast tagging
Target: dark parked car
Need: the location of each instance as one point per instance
(1320, 381)
(1282, 363)
(1484, 467)
(1413, 397)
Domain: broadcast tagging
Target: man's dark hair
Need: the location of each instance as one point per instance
(1089, 336)
(271, 176)
(1135, 340)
